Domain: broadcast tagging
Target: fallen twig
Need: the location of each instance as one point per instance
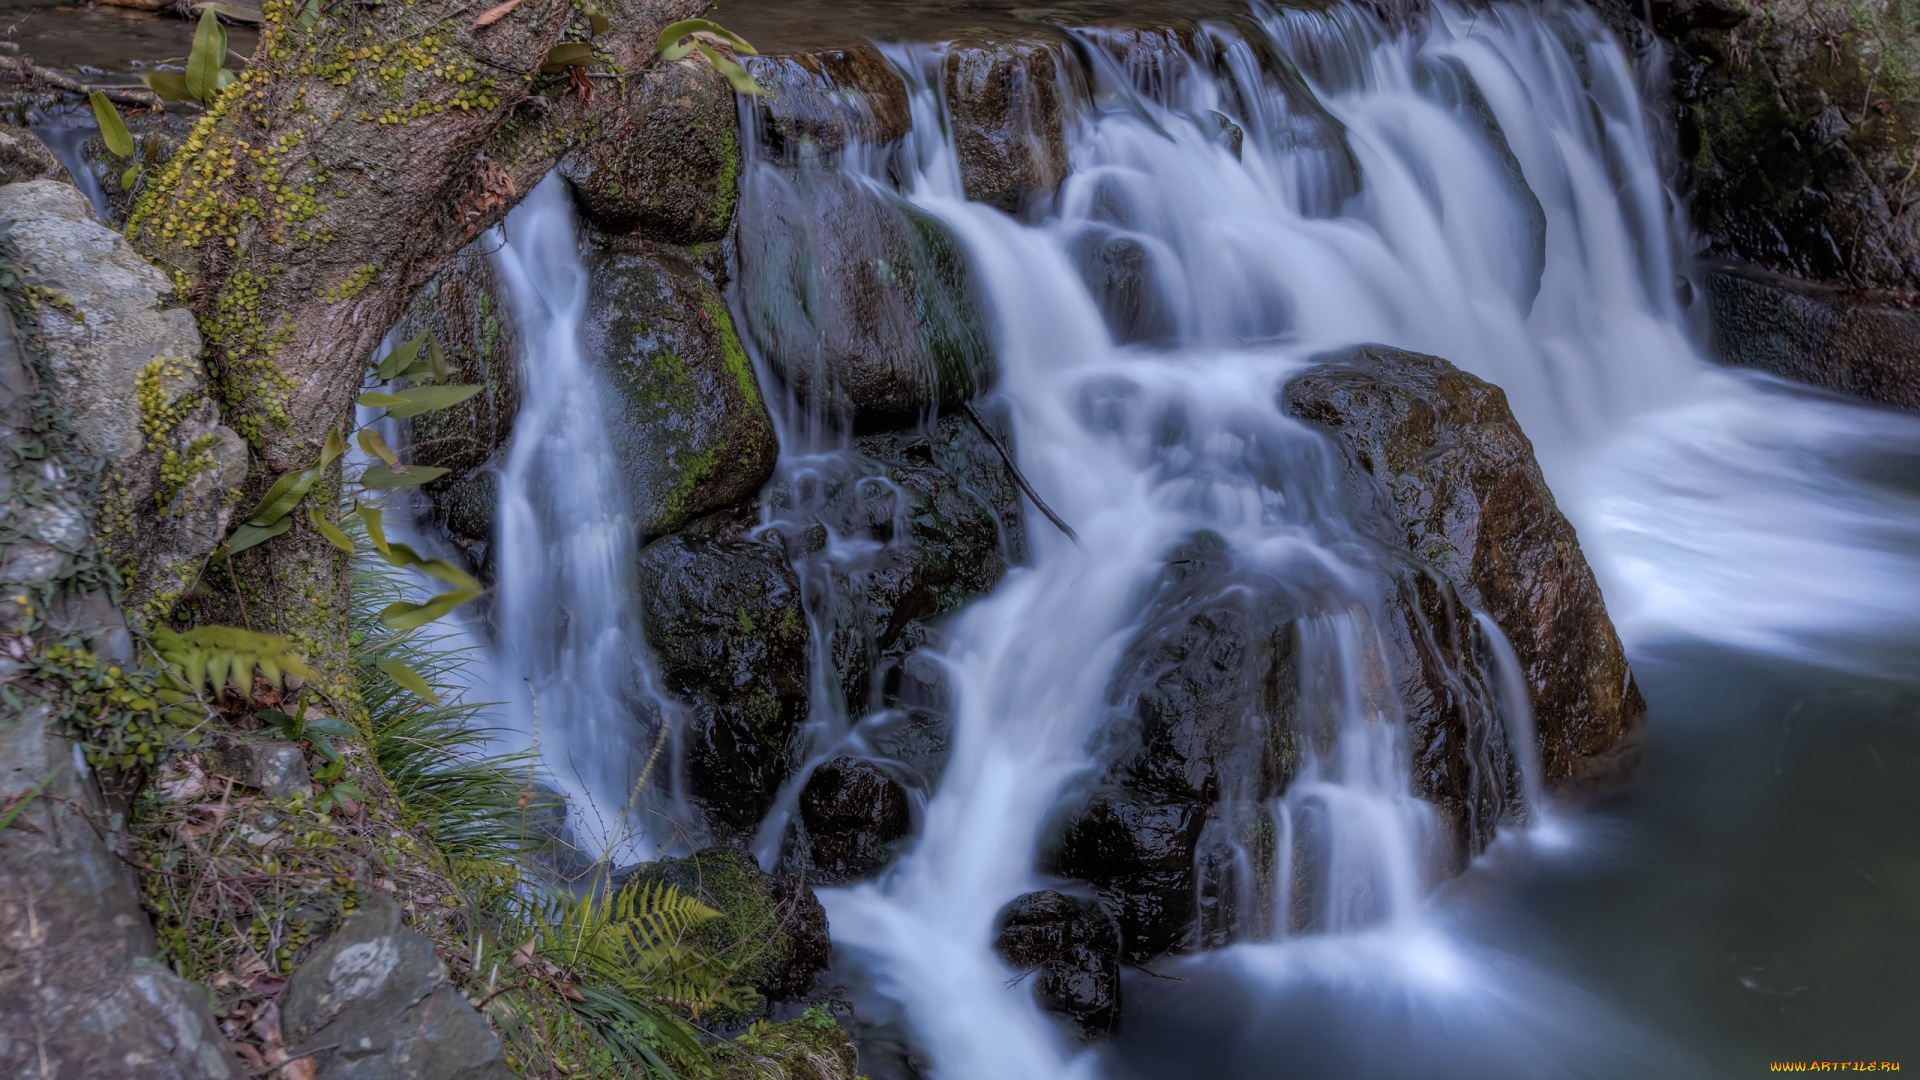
(1017, 477)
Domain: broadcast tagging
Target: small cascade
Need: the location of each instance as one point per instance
(569, 656)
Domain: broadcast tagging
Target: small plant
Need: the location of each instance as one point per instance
(716, 44)
(225, 658)
(206, 75)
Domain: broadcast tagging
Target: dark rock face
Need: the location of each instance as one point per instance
(1008, 99)
(862, 301)
(854, 814)
(822, 102)
(723, 616)
(375, 1003)
(1072, 948)
(1458, 476)
(688, 426)
(945, 509)
(754, 906)
(1851, 341)
(669, 169)
(1137, 849)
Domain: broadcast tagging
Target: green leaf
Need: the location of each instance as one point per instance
(376, 533)
(329, 530)
(249, 535)
(448, 572)
(400, 358)
(408, 678)
(113, 130)
(375, 446)
(568, 54)
(737, 76)
(374, 399)
(321, 746)
(170, 85)
(405, 616)
(310, 13)
(131, 176)
(31, 794)
(436, 359)
(381, 477)
(224, 79)
(674, 32)
(331, 725)
(597, 20)
(426, 399)
(287, 491)
(349, 790)
(208, 58)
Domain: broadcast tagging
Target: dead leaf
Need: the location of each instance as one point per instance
(183, 780)
(495, 14)
(523, 955)
(300, 1069)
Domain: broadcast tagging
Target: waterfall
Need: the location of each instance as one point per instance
(1478, 182)
(570, 663)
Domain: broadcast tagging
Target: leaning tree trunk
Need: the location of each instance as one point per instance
(345, 169)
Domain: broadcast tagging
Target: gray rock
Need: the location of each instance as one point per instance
(24, 157)
(277, 769)
(688, 426)
(1846, 340)
(80, 996)
(822, 101)
(668, 168)
(129, 374)
(377, 999)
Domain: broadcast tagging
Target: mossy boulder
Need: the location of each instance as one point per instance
(668, 167)
(854, 813)
(688, 426)
(811, 1047)
(724, 618)
(773, 928)
(863, 302)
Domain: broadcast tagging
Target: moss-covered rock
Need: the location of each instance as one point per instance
(724, 618)
(688, 425)
(773, 929)
(669, 167)
(811, 1047)
(863, 302)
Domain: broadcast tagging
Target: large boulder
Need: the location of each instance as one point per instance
(374, 1002)
(1853, 341)
(24, 157)
(127, 370)
(1071, 948)
(1439, 451)
(820, 103)
(686, 423)
(81, 992)
(1008, 98)
(777, 920)
(861, 301)
(669, 167)
(724, 618)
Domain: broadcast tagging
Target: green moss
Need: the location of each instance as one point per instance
(732, 355)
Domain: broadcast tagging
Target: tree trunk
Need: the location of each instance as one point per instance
(344, 170)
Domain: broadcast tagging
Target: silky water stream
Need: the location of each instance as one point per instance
(1758, 545)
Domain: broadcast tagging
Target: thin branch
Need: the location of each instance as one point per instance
(1017, 477)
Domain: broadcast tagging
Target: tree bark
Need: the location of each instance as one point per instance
(345, 169)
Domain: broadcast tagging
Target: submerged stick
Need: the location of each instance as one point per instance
(1017, 477)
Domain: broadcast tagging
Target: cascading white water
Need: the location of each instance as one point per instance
(569, 660)
(1259, 261)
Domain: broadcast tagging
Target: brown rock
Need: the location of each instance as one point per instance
(1008, 98)
(1851, 341)
(819, 102)
(1440, 450)
(669, 167)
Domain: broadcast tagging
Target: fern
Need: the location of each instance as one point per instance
(226, 657)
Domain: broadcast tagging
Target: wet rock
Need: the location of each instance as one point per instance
(669, 167)
(128, 372)
(1313, 140)
(778, 916)
(942, 509)
(1439, 450)
(1137, 849)
(373, 1002)
(1007, 97)
(862, 302)
(724, 618)
(687, 425)
(81, 994)
(1850, 341)
(1071, 947)
(24, 157)
(819, 103)
(812, 1047)
(854, 814)
(277, 770)
(1119, 273)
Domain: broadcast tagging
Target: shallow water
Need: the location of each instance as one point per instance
(108, 45)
